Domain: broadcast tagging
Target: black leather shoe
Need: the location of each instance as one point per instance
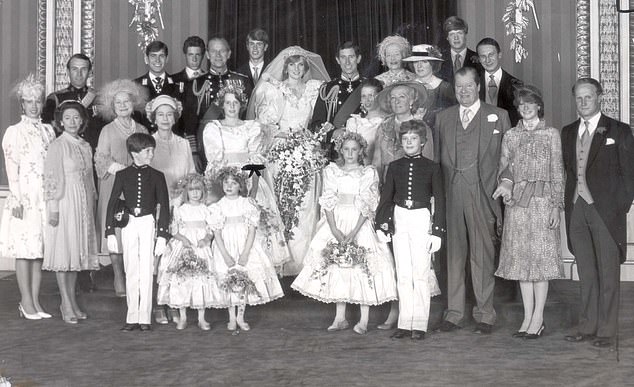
(145, 327)
(400, 333)
(448, 326)
(602, 342)
(129, 327)
(519, 334)
(483, 328)
(418, 335)
(578, 337)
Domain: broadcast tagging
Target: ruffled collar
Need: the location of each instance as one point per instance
(355, 172)
(29, 120)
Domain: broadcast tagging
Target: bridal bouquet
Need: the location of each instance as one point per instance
(238, 281)
(190, 265)
(298, 158)
(345, 255)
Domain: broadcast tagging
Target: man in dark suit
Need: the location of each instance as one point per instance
(470, 141)
(498, 86)
(257, 44)
(598, 154)
(156, 81)
(187, 126)
(458, 55)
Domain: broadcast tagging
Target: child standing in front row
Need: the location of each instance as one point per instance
(243, 268)
(145, 194)
(404, 210)
(185, 275)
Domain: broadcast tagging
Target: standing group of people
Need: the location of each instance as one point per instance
(234, 186)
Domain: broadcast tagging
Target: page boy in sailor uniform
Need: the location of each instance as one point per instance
(145, 194)
(404, 210)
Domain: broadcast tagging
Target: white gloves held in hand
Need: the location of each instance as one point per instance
(159, 247)
(433, 244)
(113, 246)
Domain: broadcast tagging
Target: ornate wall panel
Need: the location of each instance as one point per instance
(609, 73)
(583, 38)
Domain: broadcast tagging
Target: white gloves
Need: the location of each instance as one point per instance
(159, 247)
(433, 244)
(115, 167)
(113, 246)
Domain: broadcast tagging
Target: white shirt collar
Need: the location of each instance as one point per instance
(593, 122)
(473, 108)
(258, 66)
(190, 72)
(462, 53)
(497, 76)
(153, 77)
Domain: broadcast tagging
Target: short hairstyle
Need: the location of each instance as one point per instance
(220, 39)
(156, 46)
(71, 104)
(30, 87)
(453, 23)
(418, 127)
(136, 142)
(374, 83)
(469, 70)
(81, 57)
(489, 42)
(528, 93)
(397, 40)
(194, 41)
(349, 44)
(294, 59)
(138, 96)
(351, 136)
(588, 81)
(258, 34)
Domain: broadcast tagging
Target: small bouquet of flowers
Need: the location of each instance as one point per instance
(238, 281)
(345, 255)
(190, 265)
(298, 157)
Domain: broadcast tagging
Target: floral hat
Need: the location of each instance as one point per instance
(424, 52)
(383, 97)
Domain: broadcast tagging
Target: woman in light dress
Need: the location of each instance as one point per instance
(24, 214)
(118, 100)
(70, 239)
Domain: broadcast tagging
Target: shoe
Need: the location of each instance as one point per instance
(120, 294)
(204, 325)
(160, 317)
(173, 315)
(181, 324)
(536, 335)
(244, 325)
(400, 333)
(448, 326)
(338, 326)
(22, 312)
(602, 342)
(519, 334)
(69, 319)
(578, 337)
(127, 327)
(483, 328)
(145, 327)
(232, 326)
(418, 335)
(44, 315)
(81, 315)
(386, 326)
(360, 329)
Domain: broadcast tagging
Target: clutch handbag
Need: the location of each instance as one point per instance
(121, 214)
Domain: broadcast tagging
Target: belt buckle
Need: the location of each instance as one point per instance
(136, 211)
(409, 203)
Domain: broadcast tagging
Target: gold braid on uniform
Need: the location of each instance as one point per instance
(330, 99)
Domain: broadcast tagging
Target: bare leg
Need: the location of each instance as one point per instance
(526, 288)
(62, 284)
(36, 281)
(23, 275)
(541, 293)
(72, 285)
(119, 274)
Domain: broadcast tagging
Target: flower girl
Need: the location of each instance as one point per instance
(346, 262)
(185, 276)
(245, 272)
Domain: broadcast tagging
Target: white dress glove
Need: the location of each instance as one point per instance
(433, 244)
(159, 247)
(113, 246)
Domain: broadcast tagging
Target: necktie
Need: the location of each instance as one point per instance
(493, 90)
(256, 74)
(457, 63)
(466, 118)
(158, 84)
(586, 132)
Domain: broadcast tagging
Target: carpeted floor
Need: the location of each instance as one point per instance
(288, 346)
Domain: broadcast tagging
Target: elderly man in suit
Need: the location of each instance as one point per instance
(498, 86)
(470, 141)
(458, 55)
(598, 154)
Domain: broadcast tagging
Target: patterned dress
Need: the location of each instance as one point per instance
(390, 77)
(25, 145)
(69, 189)
(174, 158)
(532, 159)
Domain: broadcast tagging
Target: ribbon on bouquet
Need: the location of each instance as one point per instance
(254, 168)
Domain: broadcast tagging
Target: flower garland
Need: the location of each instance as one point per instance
(298, 157)
(516, 24)
(268, 224)
(344, 255)
(145, 20)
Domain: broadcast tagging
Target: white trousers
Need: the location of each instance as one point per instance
(413, 263)
(137, 239)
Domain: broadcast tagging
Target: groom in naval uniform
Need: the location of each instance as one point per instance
(470, 141)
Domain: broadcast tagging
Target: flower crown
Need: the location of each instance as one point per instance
(347, 135)
(183, 184)
(232, 88)
(221, 174)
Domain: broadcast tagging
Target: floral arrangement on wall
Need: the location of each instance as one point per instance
(516, 24)
(147, 19)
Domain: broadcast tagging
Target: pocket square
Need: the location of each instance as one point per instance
(609, 141)
(492, 118)
(495, 131)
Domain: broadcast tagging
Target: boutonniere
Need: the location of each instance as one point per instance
(475, 59)
(492, 118)
(601, 129)
(609, 141)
